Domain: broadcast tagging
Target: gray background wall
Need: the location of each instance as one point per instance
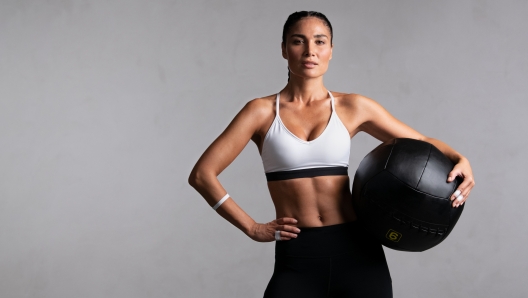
(105, 106)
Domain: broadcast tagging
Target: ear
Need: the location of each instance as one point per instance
(284, 53)
(331, 50)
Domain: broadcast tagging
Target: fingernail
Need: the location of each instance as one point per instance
(298, 230)
(295, 220)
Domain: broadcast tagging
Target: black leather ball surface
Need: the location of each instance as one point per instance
(401, 195)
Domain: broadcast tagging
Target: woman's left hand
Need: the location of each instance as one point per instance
(462, 169)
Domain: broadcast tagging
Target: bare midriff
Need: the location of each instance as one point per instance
(314, 202)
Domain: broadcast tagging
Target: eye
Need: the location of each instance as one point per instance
(320, 42)
(297, 41)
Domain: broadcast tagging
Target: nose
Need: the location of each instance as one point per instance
(309, 49)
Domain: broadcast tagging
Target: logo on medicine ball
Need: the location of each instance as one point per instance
(393, 235)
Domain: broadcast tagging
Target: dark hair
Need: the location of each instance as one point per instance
(297, 16)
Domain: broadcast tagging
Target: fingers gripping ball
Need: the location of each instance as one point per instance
(401, 196)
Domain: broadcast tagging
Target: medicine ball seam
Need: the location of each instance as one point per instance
(390, 154)
(410, 221)
(436, 231)
(425, 166)
(412, 224)
(391, 214)
(410, 186)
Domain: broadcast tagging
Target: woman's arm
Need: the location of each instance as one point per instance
(218, 156)
(379, 123)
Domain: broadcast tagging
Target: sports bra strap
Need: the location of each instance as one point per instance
(277, 104)
(333, 106)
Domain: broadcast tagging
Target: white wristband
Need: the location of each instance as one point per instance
(221, 201)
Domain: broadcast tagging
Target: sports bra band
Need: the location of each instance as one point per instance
(307, 173)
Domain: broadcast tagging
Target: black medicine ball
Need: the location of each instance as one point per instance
(401, 196)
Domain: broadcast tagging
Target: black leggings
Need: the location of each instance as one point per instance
(331, 261)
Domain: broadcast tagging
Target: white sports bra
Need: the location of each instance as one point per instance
(285, 156)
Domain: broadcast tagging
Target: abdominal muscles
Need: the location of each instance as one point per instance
(314, 202)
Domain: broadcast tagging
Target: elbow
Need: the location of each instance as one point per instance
(193, 179)
(197, 178)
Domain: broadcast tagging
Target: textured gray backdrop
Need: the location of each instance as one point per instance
(105, 106)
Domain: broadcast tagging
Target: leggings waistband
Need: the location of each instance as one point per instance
(327, 241)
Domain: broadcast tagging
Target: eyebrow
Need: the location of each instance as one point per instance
(302, 36)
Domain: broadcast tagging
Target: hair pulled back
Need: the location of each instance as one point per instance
(297, 16)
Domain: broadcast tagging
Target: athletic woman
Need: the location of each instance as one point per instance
(303, 136)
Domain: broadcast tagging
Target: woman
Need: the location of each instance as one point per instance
(303, 135)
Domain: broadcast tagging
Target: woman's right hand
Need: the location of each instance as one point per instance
(266, 232)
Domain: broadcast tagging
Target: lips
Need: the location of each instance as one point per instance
(309, 64)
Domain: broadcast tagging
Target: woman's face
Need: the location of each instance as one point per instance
(308, 48)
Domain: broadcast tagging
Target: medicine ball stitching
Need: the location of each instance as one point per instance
(425, 166)
(409, 223)
(436, 231)
(395, 140)
(411, 187)
(390, 154)
(418, 226)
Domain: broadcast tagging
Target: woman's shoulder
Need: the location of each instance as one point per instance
(350, 100)
(260, 108)
(264, 100)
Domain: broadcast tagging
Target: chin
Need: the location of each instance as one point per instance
(309, 74)
(312, 75)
